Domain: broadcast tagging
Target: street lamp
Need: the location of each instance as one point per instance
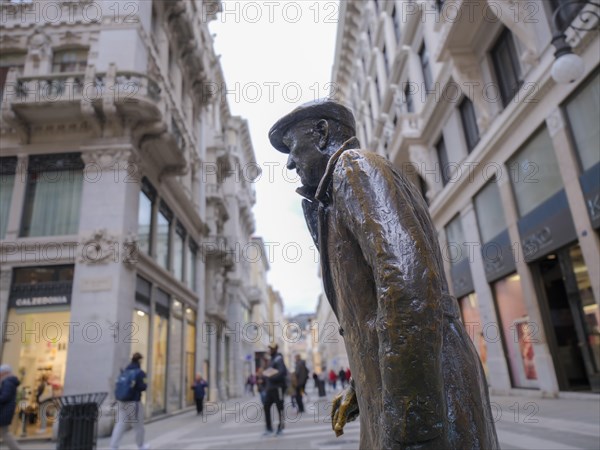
(569, 67)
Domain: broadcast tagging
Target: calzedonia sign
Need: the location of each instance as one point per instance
(40, 301)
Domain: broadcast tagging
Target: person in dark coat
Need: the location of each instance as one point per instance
(8, 404)
(199, 388)
(417, 379)
(301, 373)
(342, 377)
(131, 412)
(275, 375)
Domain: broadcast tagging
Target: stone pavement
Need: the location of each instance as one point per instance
(522, 423)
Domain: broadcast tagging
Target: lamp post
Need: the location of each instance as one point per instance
(569, 67)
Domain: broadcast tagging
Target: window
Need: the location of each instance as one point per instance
(7, 62)
(145, 222)
(507, 66)
(534, 172)
(8, 169)
(396, 22)
(53, 195)
(191, 267)
(159, 351)
(386, 62)
(583, 111)
(426, 68)
(442, 155)
(489, 211)
(457, 250)
(469, 122)
(408, 99)
(74, 60)
(163, 242)
(178, 253)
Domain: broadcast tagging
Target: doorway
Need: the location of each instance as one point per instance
(571, 318)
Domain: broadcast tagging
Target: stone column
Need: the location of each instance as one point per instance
(103, 285)
(548, 382)
(5, 277)
(499, 377)
(221, 355)
(566, 156)
(213, 362)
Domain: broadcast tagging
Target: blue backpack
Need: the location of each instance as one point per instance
(125, 385)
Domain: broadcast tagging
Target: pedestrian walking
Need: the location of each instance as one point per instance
(342, 377)
(348, 374)
(275, 375)
(301, 373)
(8, 404)
(250, 382)
(199, 388)
(333, 379)
(128, 393)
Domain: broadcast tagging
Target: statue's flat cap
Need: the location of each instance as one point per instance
(317, 109)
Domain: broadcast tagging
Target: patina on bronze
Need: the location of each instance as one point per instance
(417, 380)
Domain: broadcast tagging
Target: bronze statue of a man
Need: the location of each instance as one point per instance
(417, 380)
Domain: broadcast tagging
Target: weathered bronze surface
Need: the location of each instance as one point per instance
(418, 380)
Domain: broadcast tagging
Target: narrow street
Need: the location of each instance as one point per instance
(522, 423)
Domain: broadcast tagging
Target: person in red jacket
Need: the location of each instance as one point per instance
(333, 379)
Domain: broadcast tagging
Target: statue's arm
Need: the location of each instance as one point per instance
(409, 315)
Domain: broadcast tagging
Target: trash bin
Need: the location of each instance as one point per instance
(78, 420)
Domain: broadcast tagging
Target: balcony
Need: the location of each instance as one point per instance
(71, 97)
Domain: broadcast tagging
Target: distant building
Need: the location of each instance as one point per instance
(459, 96)
(329, 348)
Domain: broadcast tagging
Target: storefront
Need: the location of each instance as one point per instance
(36, 339)
(469, 310)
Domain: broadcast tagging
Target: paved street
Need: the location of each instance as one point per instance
(522, 423)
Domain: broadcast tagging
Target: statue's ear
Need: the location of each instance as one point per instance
(323, 130)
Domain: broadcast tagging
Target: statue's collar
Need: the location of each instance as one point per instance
(321, 193)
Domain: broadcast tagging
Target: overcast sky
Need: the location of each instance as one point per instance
(277, 55)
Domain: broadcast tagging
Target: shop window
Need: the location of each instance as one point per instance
(73, 60)
(489, 211)
(163, 236)
(159, 352)
(443, 161)
(8, 168)
(583, 111)
(175, 355)
(141, 332)
(191, 265)
(145, 216)
(190, 354)
(178, 251)
(457, 251)
(534, 172)
(53, 196)
(471, 318)
(426, 68)
(518, 332)
(506, 66)
(469, 123)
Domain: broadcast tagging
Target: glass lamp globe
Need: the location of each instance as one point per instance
(567, 68)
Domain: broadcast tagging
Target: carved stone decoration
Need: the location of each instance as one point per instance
(131, 249)
(99, 248)
(39, 45)
(110, 158)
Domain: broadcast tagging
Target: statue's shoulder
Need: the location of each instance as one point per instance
(359, 160)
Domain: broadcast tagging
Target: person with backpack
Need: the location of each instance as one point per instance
(8, 404)
(276, 375)
(199, 388)
(128, 393)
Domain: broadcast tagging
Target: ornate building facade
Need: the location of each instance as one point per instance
(458, 94)
(126, 200)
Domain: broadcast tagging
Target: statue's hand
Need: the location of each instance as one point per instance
(344, 409)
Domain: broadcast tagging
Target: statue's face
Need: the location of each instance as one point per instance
(305, 155)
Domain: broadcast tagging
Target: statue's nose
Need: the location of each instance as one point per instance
(291, 165)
